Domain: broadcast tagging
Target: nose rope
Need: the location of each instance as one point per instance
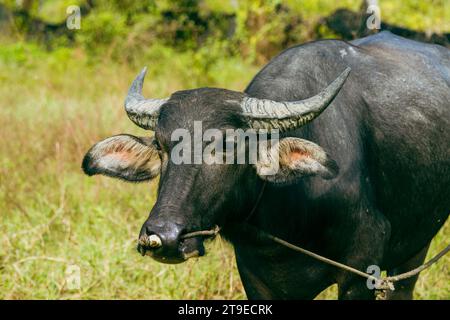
(213, 232)
(205, 233)
(153, 241)
(383, 284)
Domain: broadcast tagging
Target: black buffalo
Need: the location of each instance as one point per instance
(366, 183)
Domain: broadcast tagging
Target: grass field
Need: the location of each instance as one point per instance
(52, 216)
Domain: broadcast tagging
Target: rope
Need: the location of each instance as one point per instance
(203, 233)
(418, 270)
(321, 258)
(257, 202)
(383, 283)
(213, 232)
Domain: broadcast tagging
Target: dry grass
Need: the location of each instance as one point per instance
(53, 216)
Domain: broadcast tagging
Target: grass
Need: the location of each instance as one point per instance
(53, 216)
(53, 108)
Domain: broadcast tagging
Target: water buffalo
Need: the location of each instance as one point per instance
(366, 183)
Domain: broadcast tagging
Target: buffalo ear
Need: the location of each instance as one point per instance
(292, 159)
(124, 157)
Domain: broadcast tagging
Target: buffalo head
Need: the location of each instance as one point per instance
(195, 195)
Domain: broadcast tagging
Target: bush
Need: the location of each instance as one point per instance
(102, 31)
(254, 30)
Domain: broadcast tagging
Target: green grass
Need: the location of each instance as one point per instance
(53, 108)
(54, 216)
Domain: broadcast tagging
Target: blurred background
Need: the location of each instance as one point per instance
(65, 68)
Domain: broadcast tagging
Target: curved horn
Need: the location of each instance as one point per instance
(269, 114)
(143, 112)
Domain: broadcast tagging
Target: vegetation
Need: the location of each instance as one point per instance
(62, 92)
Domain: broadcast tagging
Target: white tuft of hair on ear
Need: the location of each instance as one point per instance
(297, 158)
(124, 157)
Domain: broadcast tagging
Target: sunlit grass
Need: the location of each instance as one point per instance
(53, 216)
